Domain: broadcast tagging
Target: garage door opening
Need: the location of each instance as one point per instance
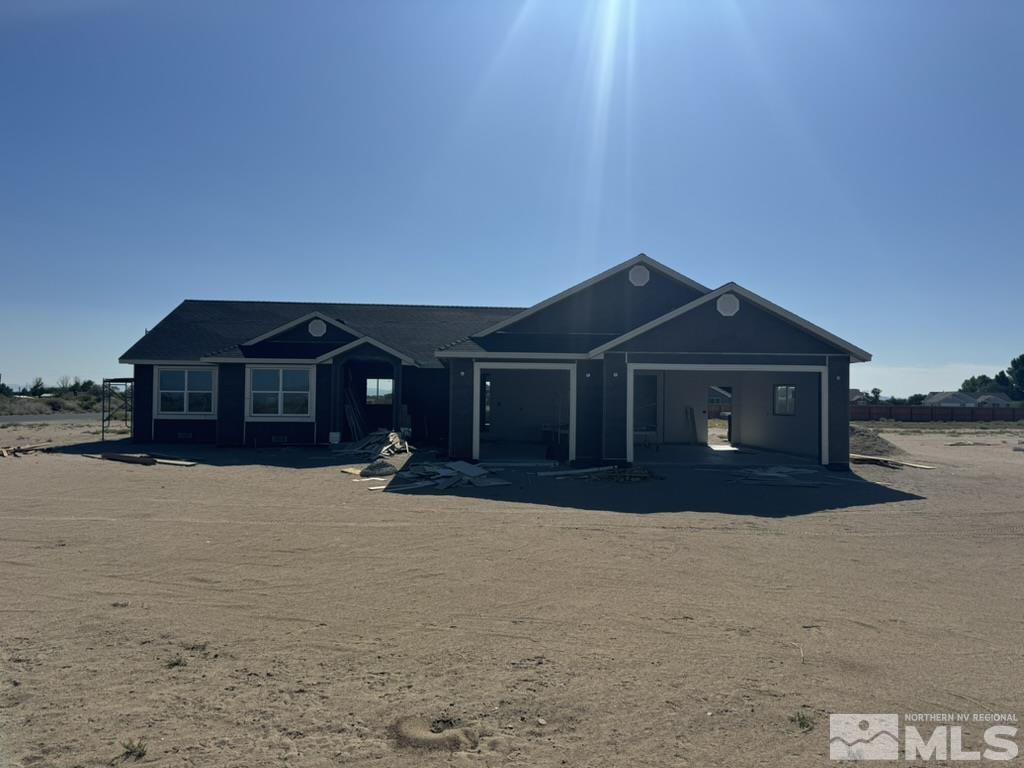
(524, 413)
(684, 414)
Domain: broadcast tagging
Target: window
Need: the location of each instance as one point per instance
(785, 400)
(378, 391)
(185, 392)
(279, 392)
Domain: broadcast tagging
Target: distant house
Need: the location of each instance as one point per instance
(950, 400)
(859, 398)
(995, 400)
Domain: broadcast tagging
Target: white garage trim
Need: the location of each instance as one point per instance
(821, 370)
(570, 367)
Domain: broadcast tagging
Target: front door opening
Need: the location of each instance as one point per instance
(524, 414)
(719, 418)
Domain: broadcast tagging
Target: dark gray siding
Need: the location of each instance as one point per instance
(425, 393)
(142, 404)
(230, 404)
(185, 430)
(613, 305)
(839, 411)
(460, 406)
(589, 409)
(263, 434)
(614, 421)
(752, 329)
(324, 397)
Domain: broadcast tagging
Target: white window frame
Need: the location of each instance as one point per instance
(183, 415)
(790, 400)
(309, 417)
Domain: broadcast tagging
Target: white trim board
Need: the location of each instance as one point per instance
(642, 258)
(405, 359)
(822, 370)
(304, 319)
(479, 367)
(856, 353)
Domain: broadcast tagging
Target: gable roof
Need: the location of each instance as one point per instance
(198, 328)
(856, 353)
(642, 258)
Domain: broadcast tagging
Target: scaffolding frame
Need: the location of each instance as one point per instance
(116, 404)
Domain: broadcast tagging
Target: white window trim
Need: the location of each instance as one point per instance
(288, 417)
(158, 414)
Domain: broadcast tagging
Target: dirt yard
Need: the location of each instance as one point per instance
(263, 609)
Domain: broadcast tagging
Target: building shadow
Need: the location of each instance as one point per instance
(682, 489)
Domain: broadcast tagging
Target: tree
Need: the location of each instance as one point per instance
(1015, 375)
(36, 388)
(916, 399)
(63, 384)
(6, 391)
(876, 396)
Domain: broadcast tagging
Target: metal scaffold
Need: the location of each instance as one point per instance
(116, 404)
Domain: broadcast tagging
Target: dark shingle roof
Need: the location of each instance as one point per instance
(196, 329)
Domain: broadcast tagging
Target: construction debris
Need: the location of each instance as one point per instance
(454, 474)
(379, 468)
(13, 451)
(379, 444)
(568, 472)
(144, 459)
(885, 461)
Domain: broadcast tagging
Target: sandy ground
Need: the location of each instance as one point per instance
(266, 610)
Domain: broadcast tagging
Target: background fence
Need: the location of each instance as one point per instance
(932, 413)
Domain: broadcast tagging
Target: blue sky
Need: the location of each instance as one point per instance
(859, 163)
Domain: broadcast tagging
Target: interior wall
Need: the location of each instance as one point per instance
(756, 424)
(522, 402)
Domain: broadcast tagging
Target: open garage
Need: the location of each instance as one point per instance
(774, 408)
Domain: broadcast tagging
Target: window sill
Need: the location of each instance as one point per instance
(185, 416)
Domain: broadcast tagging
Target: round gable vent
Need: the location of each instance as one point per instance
(317, 327)
(639, 275)
(728, 305)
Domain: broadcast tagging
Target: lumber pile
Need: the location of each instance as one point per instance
(13, 451)
(885, 461)
(143, 459)
(607, 474)
(379, 444)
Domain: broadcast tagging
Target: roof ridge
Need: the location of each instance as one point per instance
(348, 304)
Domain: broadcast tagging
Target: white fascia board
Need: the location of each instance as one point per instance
(298, 321)
(639, 259)
(406, 360)
(856, 353)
